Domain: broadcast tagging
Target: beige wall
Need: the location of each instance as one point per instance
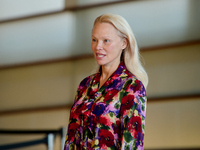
(173, 124)
(169, 123)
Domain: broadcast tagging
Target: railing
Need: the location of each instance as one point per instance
(48, 140)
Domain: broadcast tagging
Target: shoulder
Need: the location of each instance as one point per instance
(86, 81)
(133, 83)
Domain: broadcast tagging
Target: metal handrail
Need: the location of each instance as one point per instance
(48, 140)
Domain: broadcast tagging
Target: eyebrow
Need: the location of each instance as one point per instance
(103, 36)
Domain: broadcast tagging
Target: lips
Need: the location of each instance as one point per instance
(99, 55)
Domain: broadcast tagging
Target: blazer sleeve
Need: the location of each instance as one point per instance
(133, 112)
(82, 87)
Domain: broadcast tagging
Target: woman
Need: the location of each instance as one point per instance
(110, 106)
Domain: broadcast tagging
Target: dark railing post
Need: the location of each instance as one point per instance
(48, 140)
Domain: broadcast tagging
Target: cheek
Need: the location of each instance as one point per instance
(93, 47)
(111, 48)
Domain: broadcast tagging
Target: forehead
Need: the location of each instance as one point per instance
(104, 29)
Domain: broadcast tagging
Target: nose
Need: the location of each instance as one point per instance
(99, 45)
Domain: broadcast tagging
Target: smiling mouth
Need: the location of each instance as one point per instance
(100, 55)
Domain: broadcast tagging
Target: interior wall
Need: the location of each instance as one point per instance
(37, 39)
(173, 71)
(91, 2)
(68, 33)
(11, 9)
(173, 124)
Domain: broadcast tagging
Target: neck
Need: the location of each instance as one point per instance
(107, 71)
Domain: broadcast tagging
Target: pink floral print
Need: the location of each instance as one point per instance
(112, 117)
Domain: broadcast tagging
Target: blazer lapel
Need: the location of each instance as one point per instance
(115, 81)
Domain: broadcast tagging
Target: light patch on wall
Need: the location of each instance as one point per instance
(37, 39)
(13, 9)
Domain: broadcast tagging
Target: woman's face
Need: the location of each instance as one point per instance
(107, 45)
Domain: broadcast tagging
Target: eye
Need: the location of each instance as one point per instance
(94, 40)
(106, 40)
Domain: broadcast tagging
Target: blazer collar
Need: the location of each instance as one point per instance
(115, 78)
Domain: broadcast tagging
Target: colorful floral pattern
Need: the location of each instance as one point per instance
(112, 117)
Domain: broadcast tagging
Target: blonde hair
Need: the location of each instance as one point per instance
(130, 55)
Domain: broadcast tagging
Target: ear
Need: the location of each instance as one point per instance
(124, 43)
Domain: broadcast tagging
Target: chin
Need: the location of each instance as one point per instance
(100, 63)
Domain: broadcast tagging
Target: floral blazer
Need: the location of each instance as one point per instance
(112, 117)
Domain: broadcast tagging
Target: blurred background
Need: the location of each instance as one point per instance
(45, 52)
